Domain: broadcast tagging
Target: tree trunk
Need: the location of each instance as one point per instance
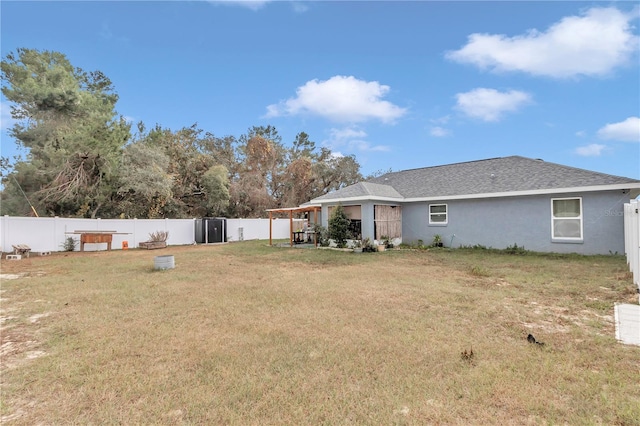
(95, 211)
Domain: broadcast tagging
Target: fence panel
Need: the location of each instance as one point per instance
(49, 233)
(632, 238)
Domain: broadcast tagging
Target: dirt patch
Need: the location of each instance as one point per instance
(17, 334)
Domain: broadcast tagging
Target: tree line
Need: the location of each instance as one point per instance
(83, 159)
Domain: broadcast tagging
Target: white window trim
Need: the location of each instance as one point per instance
(580, 217)
(446, 214)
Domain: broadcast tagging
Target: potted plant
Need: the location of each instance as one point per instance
(368, 246)
(357, 246)
(437, 240)
(387, 242)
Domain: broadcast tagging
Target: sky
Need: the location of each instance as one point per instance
(399, 85)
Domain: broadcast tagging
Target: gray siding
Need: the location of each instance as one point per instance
(525, 221)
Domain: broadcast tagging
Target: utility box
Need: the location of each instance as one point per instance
(211, 230)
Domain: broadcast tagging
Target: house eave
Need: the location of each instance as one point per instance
(633, 187)
(360, 198)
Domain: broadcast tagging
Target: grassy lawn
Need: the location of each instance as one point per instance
(253, 335)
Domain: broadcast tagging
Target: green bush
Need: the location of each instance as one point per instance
(515, 249)
(339, 226)
(322, 235)
(69, 244)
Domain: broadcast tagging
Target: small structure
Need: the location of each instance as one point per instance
(21, 250)
(295, 237)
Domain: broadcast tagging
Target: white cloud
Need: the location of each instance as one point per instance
(353, 139)
(441, 120)
(249, 4)
(592, 44)
(347, 133)
(439, 132)
(340, 99)
(490, 104)
(255, 5)
(300, 6)
(627, 130)
(591, 150)
(581, 133)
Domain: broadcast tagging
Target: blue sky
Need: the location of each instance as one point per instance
(398, 84)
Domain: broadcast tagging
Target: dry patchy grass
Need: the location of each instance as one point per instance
(248, 334)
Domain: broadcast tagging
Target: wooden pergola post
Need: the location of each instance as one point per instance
(315, 222)
(270, 228)
(291, 228)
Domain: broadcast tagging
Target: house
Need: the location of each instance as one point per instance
(496, 202)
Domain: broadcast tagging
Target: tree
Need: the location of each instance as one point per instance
(339, 226)
(187, 165)
(215, 183)
(145, 184)
(258, 184)
(81, 159)
(67, 123)
(334, 172)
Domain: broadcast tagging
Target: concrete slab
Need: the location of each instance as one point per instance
(627, 318)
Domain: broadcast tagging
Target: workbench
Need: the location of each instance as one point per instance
(96, 237)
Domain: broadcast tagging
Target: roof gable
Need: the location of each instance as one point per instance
(362, 190)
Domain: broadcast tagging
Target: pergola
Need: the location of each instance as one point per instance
(291, 211)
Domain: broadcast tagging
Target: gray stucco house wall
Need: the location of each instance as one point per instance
(525, 221)
(366, 212)
(497, 203)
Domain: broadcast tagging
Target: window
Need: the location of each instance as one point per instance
(566, 218)
(438, 214)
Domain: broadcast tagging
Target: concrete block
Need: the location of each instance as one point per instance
(627, 319)
(45, 253)
(14, 257)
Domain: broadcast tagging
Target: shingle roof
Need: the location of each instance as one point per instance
(363, 189)
(495, 175)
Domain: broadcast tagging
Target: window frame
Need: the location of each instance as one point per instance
(580, 218)
(446, 214)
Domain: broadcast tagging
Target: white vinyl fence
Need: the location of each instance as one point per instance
(627, 316)
(48, 234)
(632, 238)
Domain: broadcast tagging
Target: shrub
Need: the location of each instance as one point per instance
(339, 226)
(158, 236)
(322, 235)
(69, 244)
(368, 246)
(515, 249)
